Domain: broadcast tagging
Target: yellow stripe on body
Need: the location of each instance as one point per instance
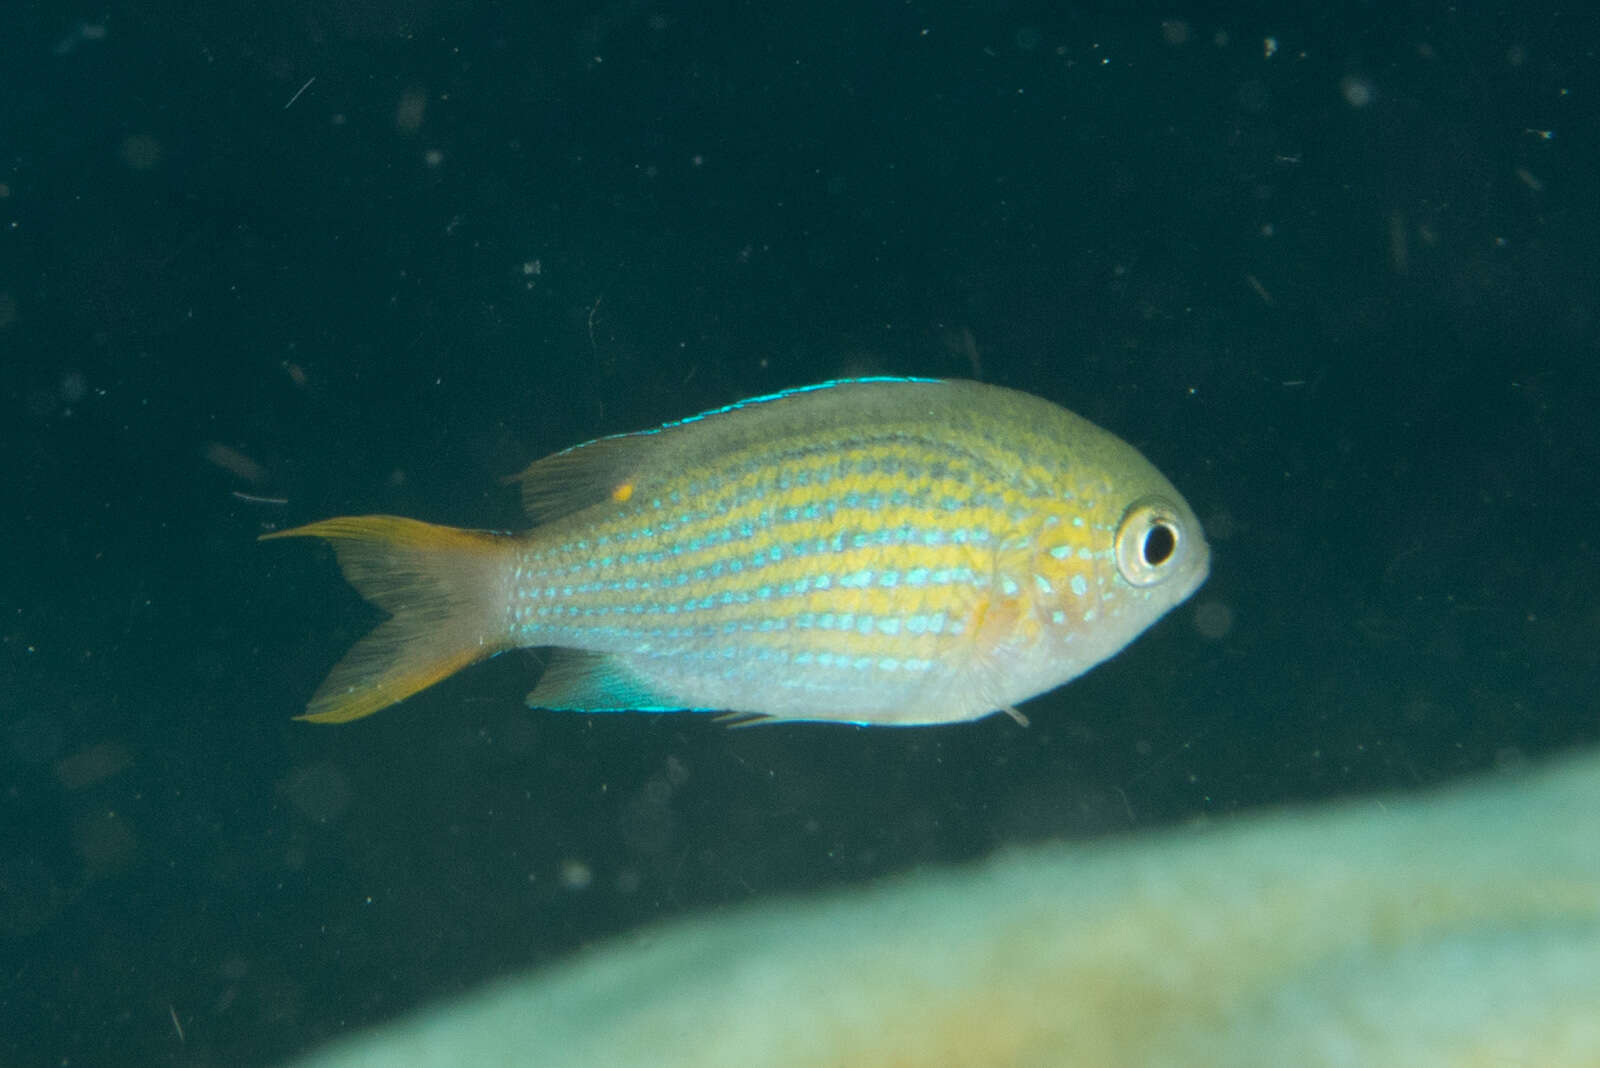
(751, 498)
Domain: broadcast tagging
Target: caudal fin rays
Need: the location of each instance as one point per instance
(443, 589)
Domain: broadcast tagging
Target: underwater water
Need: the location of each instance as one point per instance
(1333, 275)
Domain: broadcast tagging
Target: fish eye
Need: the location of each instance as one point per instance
(1147, 541)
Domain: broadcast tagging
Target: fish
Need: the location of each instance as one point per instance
(873, 551)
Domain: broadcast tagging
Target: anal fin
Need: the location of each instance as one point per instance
(577, 681)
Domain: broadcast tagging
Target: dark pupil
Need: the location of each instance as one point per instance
(1159, 543)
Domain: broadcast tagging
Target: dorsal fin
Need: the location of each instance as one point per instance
(584, 475)
(620, 467)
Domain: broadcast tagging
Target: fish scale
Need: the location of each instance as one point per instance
(798, 561)
(882, 551)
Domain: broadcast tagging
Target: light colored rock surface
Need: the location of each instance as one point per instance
(1462, 928)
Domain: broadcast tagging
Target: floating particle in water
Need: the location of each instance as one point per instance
(1357, 91)
(1213, 619)
(141, 152)
(575, 874)
(234, 462)
(93, 765)
(320, 792)
(410, 110)
(74, 387)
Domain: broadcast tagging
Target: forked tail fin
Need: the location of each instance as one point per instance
(444, 590)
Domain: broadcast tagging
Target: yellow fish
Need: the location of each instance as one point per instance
(874, 551)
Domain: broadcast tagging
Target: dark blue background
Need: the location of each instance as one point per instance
(1361, 338)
